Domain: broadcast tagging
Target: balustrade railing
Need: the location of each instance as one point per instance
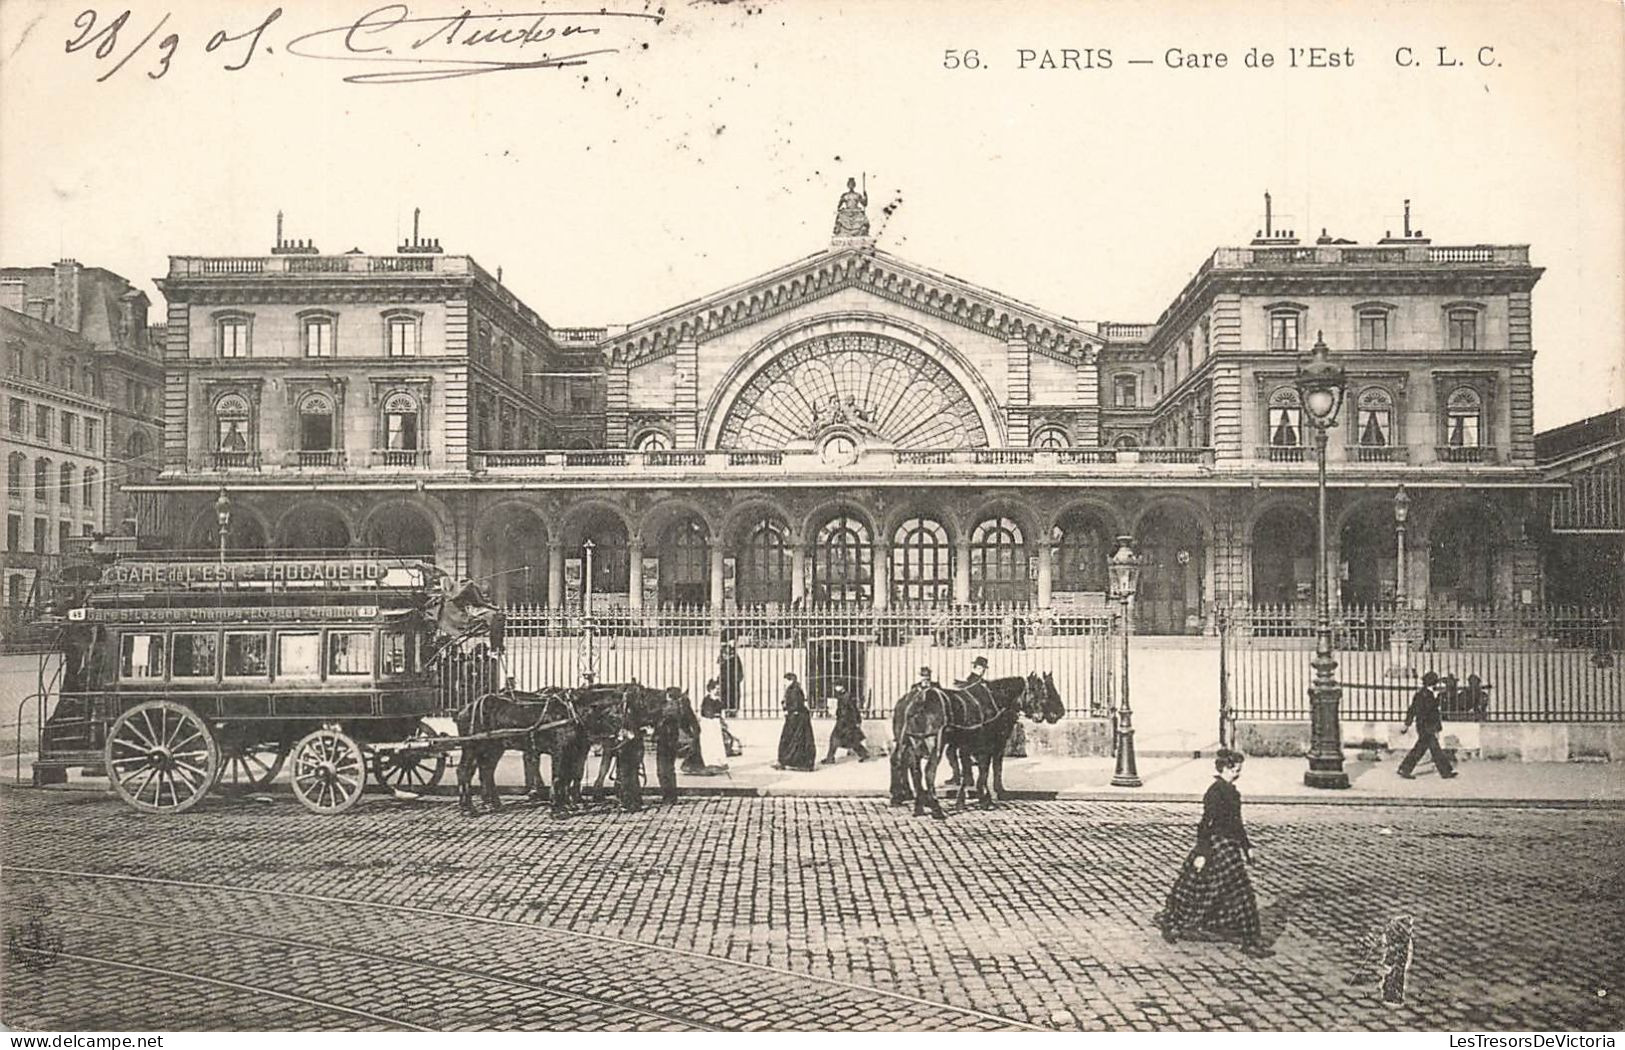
(1378, 453)
(326, 458)
(400, 457)
(234, 460)
(1283, 453)
(1465, 453)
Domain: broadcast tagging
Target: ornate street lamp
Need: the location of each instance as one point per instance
(1321, 382)
(1399, 650)
(586, 579)
(1124, 566)
(222, 515)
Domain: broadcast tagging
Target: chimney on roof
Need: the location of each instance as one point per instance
(418, 245)
(1410, 236)
(1269, 234)
(67, 295)
(295, 247)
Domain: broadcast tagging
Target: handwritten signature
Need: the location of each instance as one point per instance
(416, 48)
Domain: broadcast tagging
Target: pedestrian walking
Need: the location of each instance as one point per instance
(797, 749)
(1213, 893)
(1424, 712)
(848, 731)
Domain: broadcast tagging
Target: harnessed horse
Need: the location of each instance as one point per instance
(495, 722)
(609, 710)
(977, 721)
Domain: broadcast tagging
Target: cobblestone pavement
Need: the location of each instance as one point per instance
(829, 913)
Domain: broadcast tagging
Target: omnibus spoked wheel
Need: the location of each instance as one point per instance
(248, 767)
(414, 771)
(161, 757)
(329, 771)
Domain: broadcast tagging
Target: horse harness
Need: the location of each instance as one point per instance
(983, 695)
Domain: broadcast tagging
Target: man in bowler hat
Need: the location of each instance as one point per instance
(1424, 711)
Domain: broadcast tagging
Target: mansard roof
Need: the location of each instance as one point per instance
(866, 267)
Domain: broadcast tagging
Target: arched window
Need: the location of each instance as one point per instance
(1126, 391)
(70, 374)
(1285, 419)
(922, 568)
(843, 568)
(91, 477)
(652, 441)
(685, 564)
(315, 423)
(232, 430)
(505, 358)
(609, 555)
(1081, 547)
(65, 484)
(42, 484)
(1374, 418)
(998, 562)
(765, 564)
(1464, 419)
(1462, 556)
(89, 383)
(1125, 441)
(400, 422)
(1051, 437)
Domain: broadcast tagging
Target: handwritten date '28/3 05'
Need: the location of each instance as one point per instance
(416, 47)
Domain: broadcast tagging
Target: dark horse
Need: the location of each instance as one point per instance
(976, 721)
(608, 710)
(533, 722)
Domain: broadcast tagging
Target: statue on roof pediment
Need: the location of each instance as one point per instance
(851, 215)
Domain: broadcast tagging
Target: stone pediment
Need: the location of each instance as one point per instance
(869, 269)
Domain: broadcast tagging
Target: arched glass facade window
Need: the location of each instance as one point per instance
(400, 422)
(998, 562)
(922, 563)
(1082, 545)
(1285, 422)
(1051, 437)
(1374, 418)
(685, 564)
(1464, 419)
(843, 562)
(652, 441)
(765, 564)
(315, 423)
(231, 425)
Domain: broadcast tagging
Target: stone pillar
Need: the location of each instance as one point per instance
(716, 578)
(555, 574)
(962, 569)
(1018, 370)
(1045, 574)
(882, 575)
(617, 403)
(798, 571)
(634, 579)
(686, 396)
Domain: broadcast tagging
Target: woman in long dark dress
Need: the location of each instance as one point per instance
(1213, 893)
(796, 747)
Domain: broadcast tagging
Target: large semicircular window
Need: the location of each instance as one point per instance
(868, 384)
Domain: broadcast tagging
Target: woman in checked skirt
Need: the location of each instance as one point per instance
(1213, 893)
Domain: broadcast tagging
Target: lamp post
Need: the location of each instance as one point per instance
(222, 515)
(1321, 382)
(1399, 650)
(1125, 577)
(586, 579)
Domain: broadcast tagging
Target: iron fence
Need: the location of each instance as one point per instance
(1522, 664)
(875, 654)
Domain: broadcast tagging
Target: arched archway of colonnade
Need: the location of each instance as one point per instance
(1282, 544)
(1172, 543)
(402, 529)
(610, 557)
(842, 541)
(1081, 540)
(314, 527)
(764, 549)
(677, 555)
(1002, 549)
(246, 532)
(511, 555)
(1366, 562)
(1469, 554)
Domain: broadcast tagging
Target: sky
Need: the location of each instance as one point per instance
(697, 150)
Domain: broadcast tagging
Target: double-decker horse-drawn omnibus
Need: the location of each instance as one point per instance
(186, 674)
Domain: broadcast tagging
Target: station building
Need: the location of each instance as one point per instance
(854, 429)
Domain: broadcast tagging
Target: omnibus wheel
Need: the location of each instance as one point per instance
(406, 771)
(248, 767)
(329, 771)
(161, 757)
